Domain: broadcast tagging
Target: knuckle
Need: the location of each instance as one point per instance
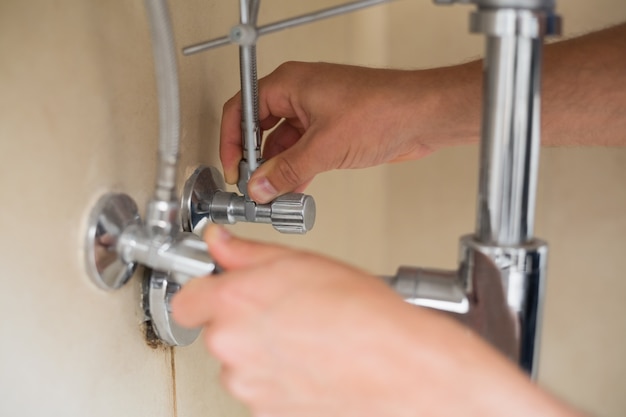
(231, 104)
(288, 171)
(292, 73)
(288, 66)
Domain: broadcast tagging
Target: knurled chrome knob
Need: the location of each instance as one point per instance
(293, 213)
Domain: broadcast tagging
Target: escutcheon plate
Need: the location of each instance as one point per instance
(108, 219)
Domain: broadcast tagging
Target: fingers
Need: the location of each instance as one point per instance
(230, 138)
(234, 253)
(219, 301)
(231, 143)
(287, 171)
(281, 139)
(276, 101)
(194, 304)
(197, 302)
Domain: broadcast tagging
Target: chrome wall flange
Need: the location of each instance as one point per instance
(110, 216)
(197, 194)
(158, 290)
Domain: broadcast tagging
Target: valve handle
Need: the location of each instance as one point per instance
(293, 213)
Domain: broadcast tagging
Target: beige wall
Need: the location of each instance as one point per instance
(78, 118)
(581, 213)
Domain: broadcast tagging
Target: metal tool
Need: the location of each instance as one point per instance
(285, 24)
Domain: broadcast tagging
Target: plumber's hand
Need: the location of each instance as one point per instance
(303, 336)
(333, 116)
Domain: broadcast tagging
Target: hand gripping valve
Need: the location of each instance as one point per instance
(204, 199)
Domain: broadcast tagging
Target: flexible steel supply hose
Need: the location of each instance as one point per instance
(168, 97)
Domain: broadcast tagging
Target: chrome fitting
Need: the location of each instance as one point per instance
(293, 213)
(117, 242)
(162, 217)
(244, 176)
(516, 4)
(497, 292)
(506, 289)
(243, 35)
(436, 289)
(500, 4)
(184, 255)
(111, 215)
(204, 200)
(526, 23)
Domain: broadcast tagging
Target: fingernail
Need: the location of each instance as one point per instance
(262, 190)
(230, 178)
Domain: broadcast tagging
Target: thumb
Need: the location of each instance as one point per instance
(233, 253)
(286, 172)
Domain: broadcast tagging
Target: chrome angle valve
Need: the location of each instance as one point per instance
(206, 201)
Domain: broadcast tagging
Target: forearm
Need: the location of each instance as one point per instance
(372, 116)
(468, 368)
(584, 90)
(583, 95)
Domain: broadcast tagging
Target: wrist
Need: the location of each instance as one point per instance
(447, 105)
(461, 365)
